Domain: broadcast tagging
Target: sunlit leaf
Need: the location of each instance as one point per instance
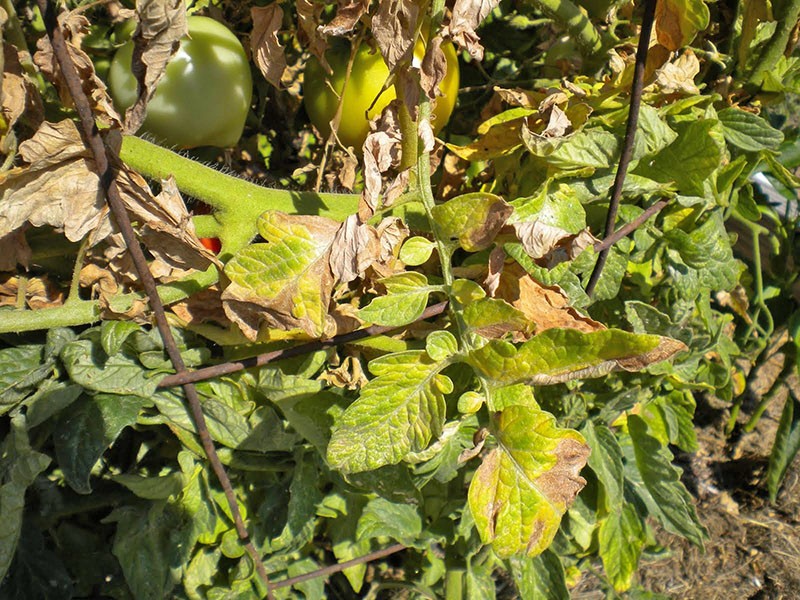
(523, 486)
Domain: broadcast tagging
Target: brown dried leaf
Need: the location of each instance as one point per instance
(18, 95)
(264, 45)
(467, 15)
(394, 27)
(202, 307)
(75, 26)
(381, 152)
(547, 306)
(349, 375)
(308, 15)
(666, 349)
(355, 247)
(162, 24)
(348, 14)
(40, 292)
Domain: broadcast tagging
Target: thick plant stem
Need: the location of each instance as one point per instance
(776, 47)
(577, 24)
(237, 202)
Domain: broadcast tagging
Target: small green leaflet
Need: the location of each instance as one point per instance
(473, 219)
(398, 412)
(540, 577)
(786, 447)
(621, 541)
(406, 300)
(661, 480)
(748, 131)
(525, 485)
(559, 355)
(606, 462)
(383, 518)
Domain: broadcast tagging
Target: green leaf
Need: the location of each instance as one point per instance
(748, 131)
(525, 485)
(554, 207)
(150, 544)
(313, 416)
(122, 374)
(595, 148)
(558, 355)
(225, 425)
(540, 577)
(674, 506)
(473, 219)
(114, 333)
(398, 412)
(87, 429)
(441, 345)
(19, 467)
(304, 496)
(689, 160)
(50, 398)
(654, 133)
(786, 446)
(37, 572)
(346, 546)
(406, 300)
(289, 277)
(493, 318)
(151, 488)
(380, 518)
(416, 250)
(606, 462)
(480, 582)
(621, 540)
(201, 572)
(19, 370)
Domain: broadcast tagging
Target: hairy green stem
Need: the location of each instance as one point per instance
(238, 203)
(777, 44)
(85, 312)
(580, 28)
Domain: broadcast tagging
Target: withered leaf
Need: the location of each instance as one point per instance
(348, 14)
(394, 27)
(75, 26)
(355, 247)
(286, 282)
(162, 24)
(267, 50)
(308, 14)
(547, 306)
(467, 15)
(677, 76)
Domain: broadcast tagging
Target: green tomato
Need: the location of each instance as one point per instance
(368, 75)
(203, 97)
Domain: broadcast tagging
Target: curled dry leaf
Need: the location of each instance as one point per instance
(547, 306)
(349, 375)
(40, 292)
(162, 24)
(355, 247)
(677, 76)
(348, 14)
(467, 15)
(18, 94)
(308, 15)
(59, 187)
(394, 27)
(75, 26)
(267, 50)
(202, 307)
(381, 152)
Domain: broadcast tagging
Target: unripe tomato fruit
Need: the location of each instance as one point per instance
(367, 77)
(203, 97)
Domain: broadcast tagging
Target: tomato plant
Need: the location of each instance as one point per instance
(204, 96)
(363, 97)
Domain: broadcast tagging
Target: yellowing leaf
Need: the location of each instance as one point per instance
(286, 282)
(398, 412)
(473, 219)
(523, 487)
(678, 21)
(559, 355)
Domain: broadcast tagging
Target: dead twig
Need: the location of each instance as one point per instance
(184, 377)
(630, 134)
(107, 174)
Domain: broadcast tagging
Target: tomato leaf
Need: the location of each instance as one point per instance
(472, 219)
(398, 412)
(523, 486)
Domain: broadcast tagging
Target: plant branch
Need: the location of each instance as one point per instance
(630, 134)
(276, 355)
(326, 571)
(626, 229)
(777, 44)
(108, 184)
(576, 22)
